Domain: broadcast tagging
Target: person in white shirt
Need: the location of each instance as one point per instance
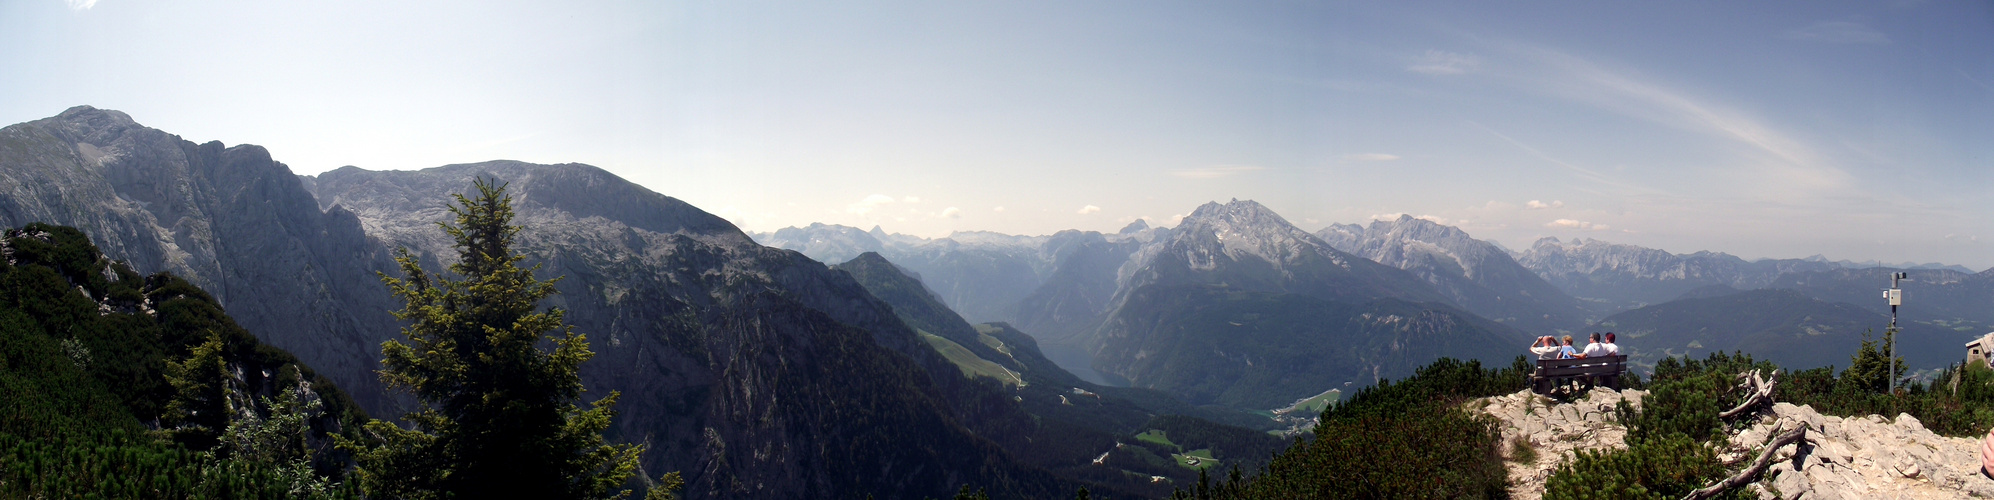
(1545, 348)
(1595, 348)
(1612, 349)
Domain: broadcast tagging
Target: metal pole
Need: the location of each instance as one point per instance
(1896, 297)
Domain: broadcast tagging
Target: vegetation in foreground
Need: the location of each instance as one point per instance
(114, 385)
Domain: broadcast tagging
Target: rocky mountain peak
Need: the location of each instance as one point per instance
(1134, 227)
(97, 118)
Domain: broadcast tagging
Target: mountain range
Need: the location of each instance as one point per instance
(915, 366)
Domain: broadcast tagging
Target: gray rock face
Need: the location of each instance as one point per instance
(1479, 276)
(229, 219)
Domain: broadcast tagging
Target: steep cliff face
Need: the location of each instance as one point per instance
(228, 219)
(759, 372)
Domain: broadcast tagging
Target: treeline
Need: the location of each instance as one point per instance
(120, 386)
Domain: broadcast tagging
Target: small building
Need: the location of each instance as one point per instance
(1980, 350)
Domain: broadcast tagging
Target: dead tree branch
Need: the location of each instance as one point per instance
(1757, 391)
(1758, 466)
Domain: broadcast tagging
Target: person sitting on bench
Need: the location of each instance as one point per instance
(1545, 347)
(1566, 352)
(1595, 348)
(1612, 349)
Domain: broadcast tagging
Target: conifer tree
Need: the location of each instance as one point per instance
(499, 417)
(201, 406)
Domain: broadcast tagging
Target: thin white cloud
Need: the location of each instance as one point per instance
(868, 204)
(1440, 62)
(1540, 205)
(1090, 209)
(911, 199)
(80, 4)
(1840, 32)
(997, 209)
(1576, 224)
(1788, 163)
(1371, 157)
(1215, 171)
(952, 213)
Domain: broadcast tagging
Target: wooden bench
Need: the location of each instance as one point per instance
(1551, 372)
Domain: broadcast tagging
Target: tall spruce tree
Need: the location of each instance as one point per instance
(499, 417)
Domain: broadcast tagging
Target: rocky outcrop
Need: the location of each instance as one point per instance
(1865, 457)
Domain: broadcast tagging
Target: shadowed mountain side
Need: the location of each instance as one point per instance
(1210, 344)
(918, 306)
(1782, 326)
(1076, 297)
(228, 219)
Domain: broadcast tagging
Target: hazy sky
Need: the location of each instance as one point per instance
(1862, 130)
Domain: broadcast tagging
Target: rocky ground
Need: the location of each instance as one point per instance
(1553, 430)
(1866, 457)
(1845, 458)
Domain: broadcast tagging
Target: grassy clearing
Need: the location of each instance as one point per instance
(988, 340)
(970, 365)
(1196, 459)
(1158, 437)
(1315, 404)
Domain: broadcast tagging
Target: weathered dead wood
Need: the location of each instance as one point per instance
(1758, 391)
(1759, 466)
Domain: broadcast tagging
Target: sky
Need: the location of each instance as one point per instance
(1854, 130)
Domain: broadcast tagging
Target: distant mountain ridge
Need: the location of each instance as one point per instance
(1780, 325)
(1478, 275)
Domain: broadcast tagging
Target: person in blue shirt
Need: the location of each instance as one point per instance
(1565, 351)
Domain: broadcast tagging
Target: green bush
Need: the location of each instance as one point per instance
(1667, 467)
(1409, 439)
(85, 391)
